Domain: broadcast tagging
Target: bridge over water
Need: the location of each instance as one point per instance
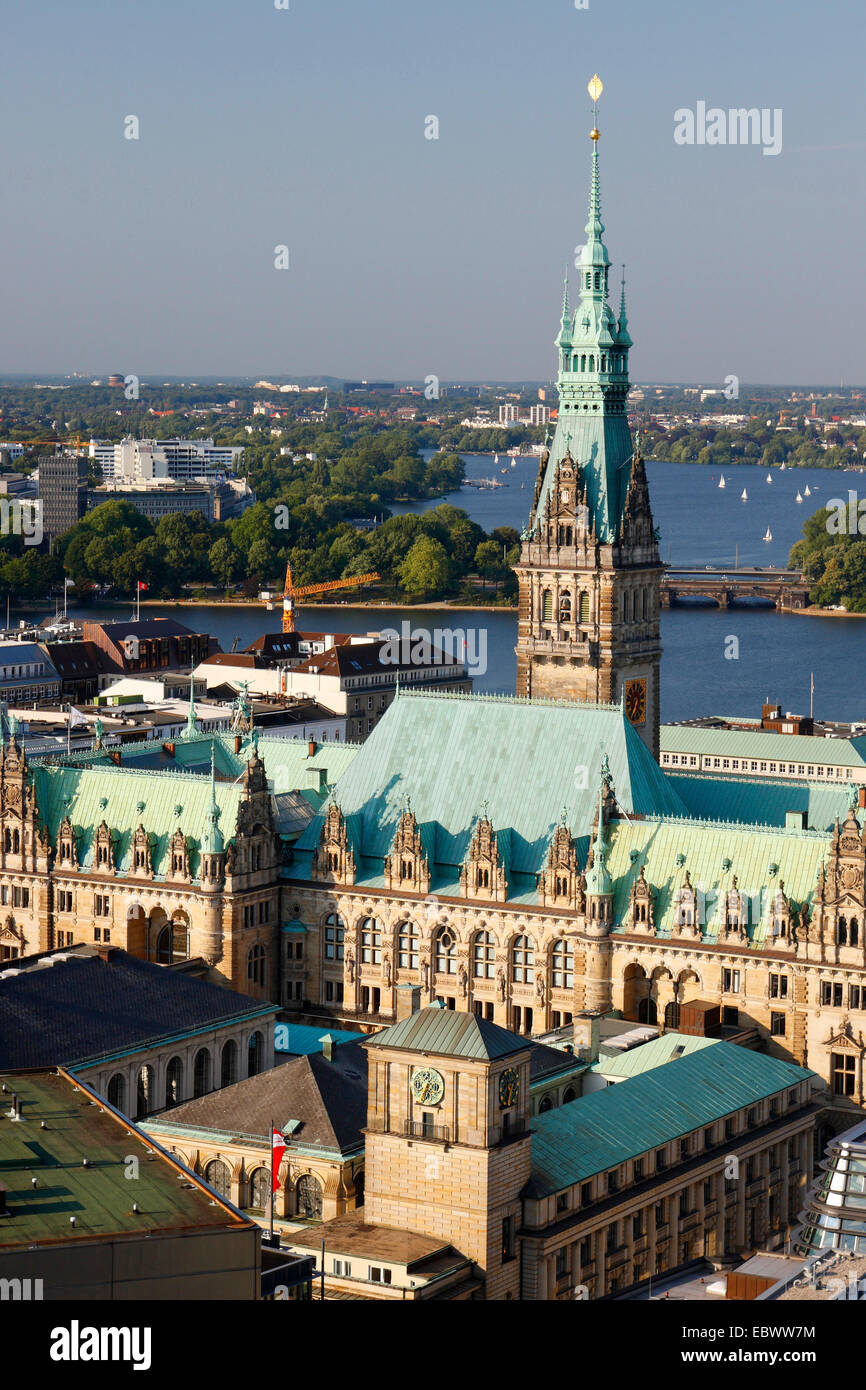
(781, 588)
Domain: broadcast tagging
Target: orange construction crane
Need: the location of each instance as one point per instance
(77, 444)
(290, 593)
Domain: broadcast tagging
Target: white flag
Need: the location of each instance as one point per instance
(76, 717)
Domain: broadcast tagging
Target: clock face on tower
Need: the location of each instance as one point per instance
(509, 1088)
(635, 701)
(428, 1088)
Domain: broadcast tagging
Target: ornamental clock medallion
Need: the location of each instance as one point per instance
(635, 701)
(428, 1088)
(509, 1088)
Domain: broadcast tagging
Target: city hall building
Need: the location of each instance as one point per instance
(523, 859)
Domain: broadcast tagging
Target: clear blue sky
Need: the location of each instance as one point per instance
(410, 256)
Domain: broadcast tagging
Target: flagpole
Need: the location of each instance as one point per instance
(273, 1193)
(69, 726)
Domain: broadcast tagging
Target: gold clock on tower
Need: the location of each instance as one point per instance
(509, 1088)
(428, 1087)
(635, 701)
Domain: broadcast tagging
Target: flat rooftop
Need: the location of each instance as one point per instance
(80, 1126)
(351, 1235)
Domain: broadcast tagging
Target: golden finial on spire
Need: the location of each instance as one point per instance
(595, 87)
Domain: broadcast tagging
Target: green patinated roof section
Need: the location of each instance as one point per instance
(647, 1056)
(762, 802)
(125, 799)
(602, 446)
(449, 1033)
(609, 1127)
(527, 759)
(744, 743)
(92, 788)
(705, 846)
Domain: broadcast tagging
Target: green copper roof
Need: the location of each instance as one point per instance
(762, 801)
(527, 759)
(592, 385)
(606, 1128)
(649, 1055)
(449, 1033)
(764, 745)
(713, 854)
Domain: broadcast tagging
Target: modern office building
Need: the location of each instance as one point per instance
(62, 492)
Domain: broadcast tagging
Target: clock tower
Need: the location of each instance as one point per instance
(589, 569)
(447, 1148)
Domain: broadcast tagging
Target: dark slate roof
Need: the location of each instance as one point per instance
(143, 628)
(67, 1007)
(329, 1099)
(547, 1061)
(449, 1033)
(78, 658)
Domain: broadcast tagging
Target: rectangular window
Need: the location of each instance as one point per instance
(854, 996)
(708, 1137)
(778, 986)
(342, 1267)
(638, 1170)
(612, 1181)
(731, 981)
(508, 1238)
(378, 1275)
(831, 993)
(777, 1025)
(844, 1073)
(562, 1263)
(586, 1194)
(659, 1212)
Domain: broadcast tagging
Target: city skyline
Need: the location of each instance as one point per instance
(161, 261)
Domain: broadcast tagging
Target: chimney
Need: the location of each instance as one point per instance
(327, 1047)
(237, 743)
(861, 798)
(106, 953)
(587, 1034)
(311, 748)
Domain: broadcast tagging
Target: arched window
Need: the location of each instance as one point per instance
(407, 946)
(842, 932)
(854, 932)
(309, 1196)
(685, 907)
(260, 1190)
(165, 946)
(446, 953)
(335, 933)
(117, 1091)
(568, 1095)
(592, 361)
(597, 279)
(563, 964)
(634, 598)
(201, 1073)
(584, 607)
(173, 1082)
(371, 941)
(229, 1063)
(565, 607)
(484, 956)
(522, 960)
(255, 1054)
(547, 606)
(545, 1104)
(217, 1176)
(144, 1093)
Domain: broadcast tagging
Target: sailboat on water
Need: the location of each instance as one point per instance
(744, 496)
(808, 491)
(722, 481)
(799, 496)
(769, 535)
(769, 477)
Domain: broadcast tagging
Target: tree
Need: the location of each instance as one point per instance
(426, 571)
(224, 561)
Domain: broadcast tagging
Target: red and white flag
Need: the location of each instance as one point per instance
(278, 1148)
(141, 586)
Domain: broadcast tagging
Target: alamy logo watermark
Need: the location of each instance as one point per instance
(21, 518)
(736, 126)
(447, 646)
(847, 518)
(77, 1343)
(21, 1290)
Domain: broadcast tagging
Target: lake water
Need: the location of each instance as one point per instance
(701, 524)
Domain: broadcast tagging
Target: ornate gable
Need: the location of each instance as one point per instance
(67, 848)
(141, 855)
(482, 874)
(407, 866)
(561, 882)
(333, 859)
(103, 848)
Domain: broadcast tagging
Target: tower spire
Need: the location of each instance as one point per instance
(564, 338)
(191, 726)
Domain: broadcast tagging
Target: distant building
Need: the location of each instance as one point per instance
(27, 673)
(62, 492)
(150, 644)
(185, 460)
